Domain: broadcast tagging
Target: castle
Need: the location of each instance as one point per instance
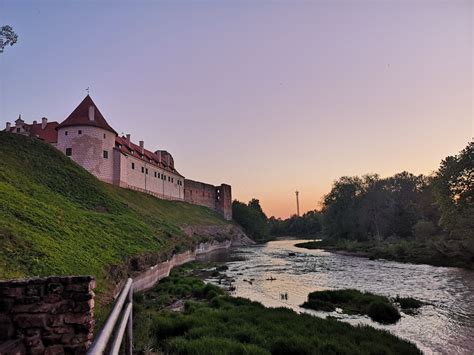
(87, 138)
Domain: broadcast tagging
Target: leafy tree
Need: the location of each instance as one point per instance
(308, 225)
(7, 37)
(454, 187)
(252, 219)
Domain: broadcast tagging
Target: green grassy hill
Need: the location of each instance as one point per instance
(56, 218)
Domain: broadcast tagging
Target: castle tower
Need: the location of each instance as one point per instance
(86, 137)
(224, 201)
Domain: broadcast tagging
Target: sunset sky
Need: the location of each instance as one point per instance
(268, 96)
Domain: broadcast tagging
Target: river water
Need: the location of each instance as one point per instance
(444, 326)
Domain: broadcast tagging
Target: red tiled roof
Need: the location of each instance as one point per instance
(48, 134)
(148, 156)
(80, 116)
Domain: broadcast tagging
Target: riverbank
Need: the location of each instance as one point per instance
(437, 252)
(182, 314)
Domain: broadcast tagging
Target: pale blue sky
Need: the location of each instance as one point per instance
(266, 96)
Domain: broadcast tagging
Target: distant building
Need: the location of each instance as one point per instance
(90, 141)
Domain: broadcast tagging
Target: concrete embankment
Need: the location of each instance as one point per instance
(148, 278)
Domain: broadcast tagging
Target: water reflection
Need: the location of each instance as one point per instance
(444, 326)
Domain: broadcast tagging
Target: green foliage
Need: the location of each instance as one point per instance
(227, 325)
(408, 302)
(307, 225)
(252, 219)
(424, 229)
(378, 308)
(56, 218)
(454, 187)
(405, 212)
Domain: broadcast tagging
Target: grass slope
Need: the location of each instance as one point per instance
(56, 218)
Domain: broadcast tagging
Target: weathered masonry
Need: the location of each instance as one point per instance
(87, 138)
(218, 198)
(52, 315)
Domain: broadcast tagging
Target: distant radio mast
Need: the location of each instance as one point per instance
(297, 203)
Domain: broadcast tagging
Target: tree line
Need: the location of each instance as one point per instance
(364, 208)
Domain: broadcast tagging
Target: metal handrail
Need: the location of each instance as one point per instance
(102, 340)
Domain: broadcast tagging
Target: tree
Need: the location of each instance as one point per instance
(7, 37)
(454, 188)
(251, 218)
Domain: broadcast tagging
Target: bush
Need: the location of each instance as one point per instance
(382, 312)
(423, 229)
(408, 302)
(378, 308)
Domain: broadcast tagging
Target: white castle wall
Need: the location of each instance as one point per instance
(136, 179)
(88, 149)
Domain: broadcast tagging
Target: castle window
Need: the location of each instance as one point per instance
(143, 169)
(106, 154)
(146, 171)
(18, 130)
(65, 133)
(169, 179)
(79, 132)
(68, 152)
(172, 179)
(104, 135)
(133, 166)
(155, 173)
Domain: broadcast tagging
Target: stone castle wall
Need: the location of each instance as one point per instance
(217, 198)
(50, 315)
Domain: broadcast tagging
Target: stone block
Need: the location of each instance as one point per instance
(6, 304)
(34, 290)
(7, 329)
(30, 320)
(15, 292)
(13, 347)
(54, 350)
(55, 288)
(84, 306)
(55, 320)
(77, 318)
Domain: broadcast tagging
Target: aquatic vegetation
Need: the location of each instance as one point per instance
(408, 302)
(229, 325)
(378, 308)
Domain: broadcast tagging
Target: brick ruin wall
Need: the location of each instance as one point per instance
(217, 198)
(52, 315)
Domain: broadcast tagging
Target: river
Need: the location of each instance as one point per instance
(444, 326)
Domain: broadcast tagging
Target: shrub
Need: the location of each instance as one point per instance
(423, 229)
(408, 302)
(382, 312)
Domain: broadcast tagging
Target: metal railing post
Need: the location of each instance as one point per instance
(129, 335)
(99, 345)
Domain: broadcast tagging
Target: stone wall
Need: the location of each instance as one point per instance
(217, 198)
(52, 315)
(147, 279)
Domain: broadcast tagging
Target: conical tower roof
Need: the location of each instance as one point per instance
(80, 116)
